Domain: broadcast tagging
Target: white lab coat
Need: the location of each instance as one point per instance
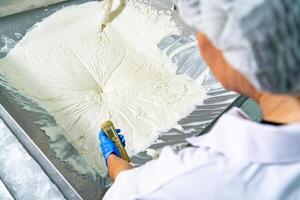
(237, 160)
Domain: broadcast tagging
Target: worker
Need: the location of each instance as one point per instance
(252, 47)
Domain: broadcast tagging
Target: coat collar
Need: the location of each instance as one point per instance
(239, 138)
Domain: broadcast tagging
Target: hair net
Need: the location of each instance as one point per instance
(260, 38)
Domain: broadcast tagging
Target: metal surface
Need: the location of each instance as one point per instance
(216, 102)
(183, 53)
(198, 122)
(35, 152)
(4, 192)
(8, 7)
(87, 187)
(20, 173)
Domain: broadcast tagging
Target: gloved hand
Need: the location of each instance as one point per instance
(108, 146)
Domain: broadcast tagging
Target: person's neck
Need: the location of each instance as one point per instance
(279, 108)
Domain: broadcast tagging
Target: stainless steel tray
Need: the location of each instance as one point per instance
(22, 122)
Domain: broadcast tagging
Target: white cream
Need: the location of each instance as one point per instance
(84, 78)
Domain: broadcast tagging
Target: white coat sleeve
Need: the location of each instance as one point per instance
(139, 182)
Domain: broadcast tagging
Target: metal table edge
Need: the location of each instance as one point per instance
(238, 102)
(54, 175)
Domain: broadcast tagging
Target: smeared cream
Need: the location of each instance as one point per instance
(83, 77)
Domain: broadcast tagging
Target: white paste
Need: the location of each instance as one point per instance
(84, 78)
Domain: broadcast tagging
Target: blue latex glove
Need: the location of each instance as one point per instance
(108, 146)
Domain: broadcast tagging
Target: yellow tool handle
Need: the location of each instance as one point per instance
(122, 150)
(109, 129)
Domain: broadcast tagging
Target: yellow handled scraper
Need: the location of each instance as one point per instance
(110, 131)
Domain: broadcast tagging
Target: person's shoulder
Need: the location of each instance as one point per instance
(189, 157)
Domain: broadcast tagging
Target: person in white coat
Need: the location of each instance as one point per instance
(252, 47)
